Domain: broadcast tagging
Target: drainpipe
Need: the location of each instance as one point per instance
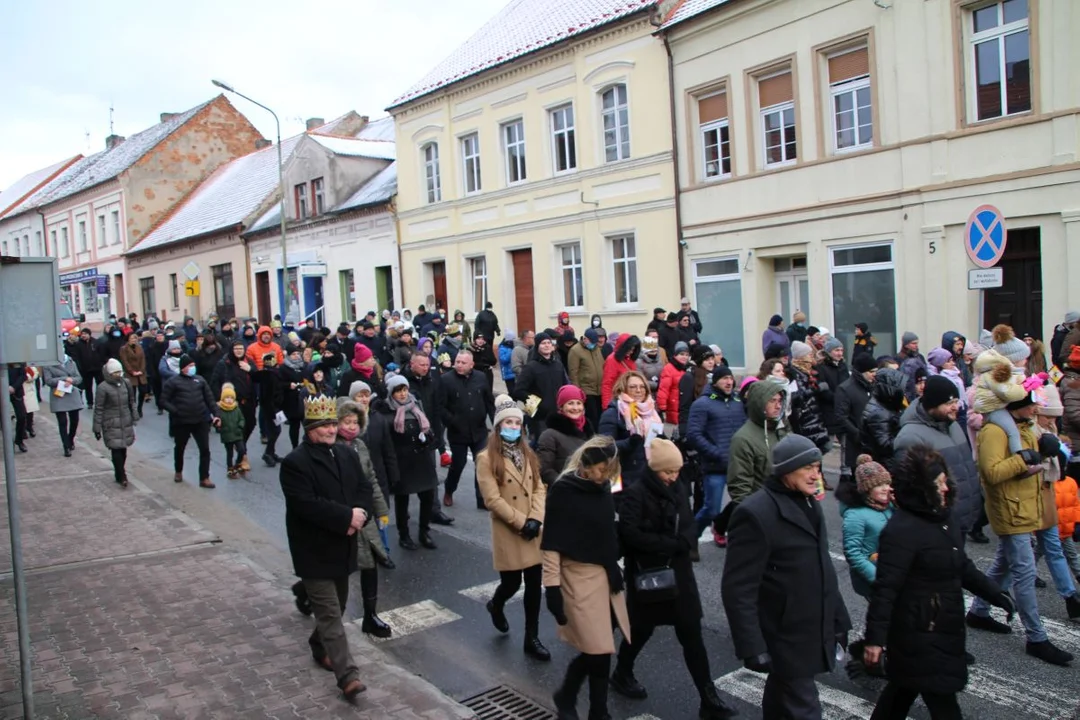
(392, 207)
(675, 160)
(250, 275)
(44, 233)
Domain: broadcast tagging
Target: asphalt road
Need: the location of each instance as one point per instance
(435, 600)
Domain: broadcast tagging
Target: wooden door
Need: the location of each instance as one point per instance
(438, 282)
(262, 297)
(523, 290)
(1018, 302)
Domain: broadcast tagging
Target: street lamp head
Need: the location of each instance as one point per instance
(223, 85)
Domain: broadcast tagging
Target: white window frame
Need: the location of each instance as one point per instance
(471, 182)
(852, 88)
(626, 266)
(567, 137)
(478, 274)
(3, 247)
(83, 239)
(622, 132)
(999, 34)
(38, 247)
(116, 227)
(65, 242)
(717, 126)
(780, 109)
(318, 196)
(866, 267)
(300, 195)
(429, 156)
(517, 143)
(102, 240)
(576, 268)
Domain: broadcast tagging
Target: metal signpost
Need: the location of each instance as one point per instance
(29, 333)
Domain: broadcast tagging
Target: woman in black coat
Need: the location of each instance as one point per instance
(657, 530)
(567, 430)
(881, 419)
(917, 605)
(234, 369)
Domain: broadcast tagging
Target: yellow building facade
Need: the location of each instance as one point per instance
(543, 184)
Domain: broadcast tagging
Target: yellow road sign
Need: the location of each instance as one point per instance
(191, 288)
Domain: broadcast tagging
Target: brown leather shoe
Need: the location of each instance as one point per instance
(178, 477)
(447, 500)
(245, 466)
(352, 689)
(205, 483)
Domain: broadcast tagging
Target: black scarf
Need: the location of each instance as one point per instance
(579, 522)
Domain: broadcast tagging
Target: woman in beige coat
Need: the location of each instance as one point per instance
(581, 572)
(509, 476)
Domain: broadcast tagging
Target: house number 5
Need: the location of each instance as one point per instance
(932, 246)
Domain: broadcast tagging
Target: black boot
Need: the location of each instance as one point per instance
(627, 685)
(300, 593)
(372, 624)
(598, 690)
(426, 541)
(405, 539)
(534, 648)
(498, 617)
(565, 697)
(978, 536)
(713, 706)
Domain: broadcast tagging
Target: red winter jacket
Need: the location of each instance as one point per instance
(667, 394)
(618, 364)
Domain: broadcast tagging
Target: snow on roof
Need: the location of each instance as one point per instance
(379, 149)
(225, 199)
(22, 188)
(270, 218)
(522, 27)
(105, 166)
(329, 127)
(687, 9)
(381, 129)
(378, 189)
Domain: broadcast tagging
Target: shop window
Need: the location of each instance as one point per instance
(864, 290)
(718, 295)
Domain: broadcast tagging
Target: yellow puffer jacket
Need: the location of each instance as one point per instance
(1014, 504)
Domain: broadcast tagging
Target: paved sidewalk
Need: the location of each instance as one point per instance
(137, 612)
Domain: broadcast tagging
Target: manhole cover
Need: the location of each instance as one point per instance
(502, 703)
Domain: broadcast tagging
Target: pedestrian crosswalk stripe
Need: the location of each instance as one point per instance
(410, 619)
(644, 717)
(1063, 634)
(483, 593)
(749, 687)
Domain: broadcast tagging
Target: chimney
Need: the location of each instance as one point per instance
(166, 117)
(315, 122)
(112, 141)
(262, 143)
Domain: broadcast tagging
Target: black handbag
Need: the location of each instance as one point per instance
(657, 585)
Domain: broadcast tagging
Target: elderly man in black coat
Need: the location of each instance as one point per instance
(465, 403)
(780, 592)
(327, 501)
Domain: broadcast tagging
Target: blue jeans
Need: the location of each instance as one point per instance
(714, 499)
(1014, 568)
(1048, 544)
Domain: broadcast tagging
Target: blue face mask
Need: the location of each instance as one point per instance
(589, 345)
(510, 435)
(116, 333)
(190, 371)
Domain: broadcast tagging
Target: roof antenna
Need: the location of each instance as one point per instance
(86, 132)
(111, 118)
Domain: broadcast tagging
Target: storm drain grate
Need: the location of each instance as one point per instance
(502, 703)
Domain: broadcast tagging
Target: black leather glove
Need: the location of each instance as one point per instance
(1004, 601)
(636, 440)
(1049, 446)
(531, 529)
(1030, 457)
(842, 640)
(555, 604)
(759, 663)
(97, 436)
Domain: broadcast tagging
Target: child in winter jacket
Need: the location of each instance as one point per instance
(864, 342)
(863, 523)
(1064, 489)
(231, 429)
(1067, 498)
(999, 384)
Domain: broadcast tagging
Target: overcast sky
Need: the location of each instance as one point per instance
(62, 62)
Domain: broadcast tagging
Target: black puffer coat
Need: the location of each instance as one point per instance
(881, 419)
(561, 439)
(542, 378)
(917, 605)
(657, 529)
(229, 371)
(466, 405)
(806, 418)
(188, 400)
(831, 375)
(851, 399)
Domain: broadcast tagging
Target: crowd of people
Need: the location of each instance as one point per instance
(614, 446)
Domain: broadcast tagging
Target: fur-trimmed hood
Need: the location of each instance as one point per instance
(346, 406)
(915, 482)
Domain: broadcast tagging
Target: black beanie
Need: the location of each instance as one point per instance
(721, 371)
(938, 391)
(864, 362)
(185, 360)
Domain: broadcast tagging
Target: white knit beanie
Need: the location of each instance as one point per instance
(505, 407)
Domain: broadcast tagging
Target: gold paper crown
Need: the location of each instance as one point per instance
(320, 408)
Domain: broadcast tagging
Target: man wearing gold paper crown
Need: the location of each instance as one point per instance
(328, 499)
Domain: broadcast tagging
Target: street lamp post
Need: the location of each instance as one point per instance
(287, 293)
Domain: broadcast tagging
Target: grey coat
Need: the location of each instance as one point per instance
(918, 428)
(369, 543)
(52, 375)
(115, 413)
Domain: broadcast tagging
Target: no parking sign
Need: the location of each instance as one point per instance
(985, 236)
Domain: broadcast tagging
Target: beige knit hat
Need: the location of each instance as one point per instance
(505, 407)
(664, 455)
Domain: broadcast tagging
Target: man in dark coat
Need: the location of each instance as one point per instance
(208, 355)
(695, 319)
(779, 586)
(931, 421)
(542, 376)
(16, 394)
(715, 417)
(425, 386)
(192, 410)
(466, 404)
(850, 401)
(832, 373)
(487, 323)
(375, 342)
(89, 361)
(328, 500)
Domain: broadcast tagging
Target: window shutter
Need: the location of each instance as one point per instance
(775, 90)
(712, 108)
(849, 65)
